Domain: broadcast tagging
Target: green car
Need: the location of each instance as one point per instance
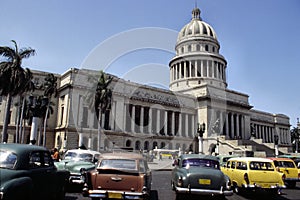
(28, 172)
(198, 174)
(74, 161)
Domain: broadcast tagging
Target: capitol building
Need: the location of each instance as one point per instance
(144, 117)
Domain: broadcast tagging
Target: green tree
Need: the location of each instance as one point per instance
(295, 133)
(12, 78)
(50, 89)
(103, 97)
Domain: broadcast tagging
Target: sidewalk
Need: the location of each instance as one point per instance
(164, 164)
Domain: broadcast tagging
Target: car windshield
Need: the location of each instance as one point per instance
(7, 159)
(79, 156)
(196, 162)
(126, 164)
(257, 165)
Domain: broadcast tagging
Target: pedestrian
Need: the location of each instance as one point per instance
(55, 155)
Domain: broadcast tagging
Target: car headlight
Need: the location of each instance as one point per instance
(180, 181)
(1, 195)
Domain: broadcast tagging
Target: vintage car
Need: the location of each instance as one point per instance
(73, 161)
(200, 175)
(252, 173)
(119, 176)
(289, 168)
(28, 172)
(224, 158)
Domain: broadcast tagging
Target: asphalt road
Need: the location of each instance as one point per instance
(161, 190)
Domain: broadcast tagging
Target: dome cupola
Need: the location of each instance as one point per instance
(197, 61)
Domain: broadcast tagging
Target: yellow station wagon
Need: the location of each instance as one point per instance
(250, 173)
(289, 168)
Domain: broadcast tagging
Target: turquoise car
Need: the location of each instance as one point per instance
(74, 161)
(28, 172)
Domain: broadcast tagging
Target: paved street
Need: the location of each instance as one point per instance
(161, 189)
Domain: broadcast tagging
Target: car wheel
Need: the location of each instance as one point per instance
(60, 195)
(172, 185)
(291, 184)
(236, 188)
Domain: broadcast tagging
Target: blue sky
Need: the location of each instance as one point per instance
(259, 39)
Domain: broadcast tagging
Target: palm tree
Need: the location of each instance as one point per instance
(295, 138)
(29, 86)
(12, 78)
(50, 88)
(103, 97)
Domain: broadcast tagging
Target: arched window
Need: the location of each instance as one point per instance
(128, 143)
(206, 47)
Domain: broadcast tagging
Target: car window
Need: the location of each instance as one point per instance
(241, 165)
(118, 164)
(257, 165)
(7, 159)
(47, 160)
(79, 156)
(228, 164)
(35, 160)
(196, 162)
(287, 164)
(232, 165)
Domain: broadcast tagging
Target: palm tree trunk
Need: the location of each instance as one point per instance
(45, 125)
(21, 121)
(33, 132)
(18, 122)
(6, 119)
(99, 130)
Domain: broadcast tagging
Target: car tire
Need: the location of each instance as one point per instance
(291, 184)
(236, 188)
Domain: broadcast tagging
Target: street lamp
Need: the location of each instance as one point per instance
(276, 139)
(200, 131)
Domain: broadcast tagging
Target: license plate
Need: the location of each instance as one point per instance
(204, 181)
(112, 195)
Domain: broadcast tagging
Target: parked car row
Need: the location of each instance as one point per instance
(29, 172)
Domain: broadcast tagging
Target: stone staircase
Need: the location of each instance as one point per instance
(252, 147)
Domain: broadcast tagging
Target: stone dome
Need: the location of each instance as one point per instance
(196, 28)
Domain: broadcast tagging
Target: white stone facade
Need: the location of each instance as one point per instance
(144, 117)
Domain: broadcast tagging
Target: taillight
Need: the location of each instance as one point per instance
(246, 178)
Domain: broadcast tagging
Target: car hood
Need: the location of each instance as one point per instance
(74, 166)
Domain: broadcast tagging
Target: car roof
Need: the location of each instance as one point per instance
(259, 159)
(188, 156)
(21, 148)
(121, 155)
(282, 159)
(83, 151)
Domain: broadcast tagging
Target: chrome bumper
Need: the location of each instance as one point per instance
(204, 191)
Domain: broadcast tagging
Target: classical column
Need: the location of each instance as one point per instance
(150, 121)
(193, 126)
(133, 119)
(227, 126)
(173, 123)
(186, 125)
(142, 120)
(232, 125)
(237, 120)
(157, 120)
(166, 123)
(180, 125)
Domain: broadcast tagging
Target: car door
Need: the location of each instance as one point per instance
(42, 173)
